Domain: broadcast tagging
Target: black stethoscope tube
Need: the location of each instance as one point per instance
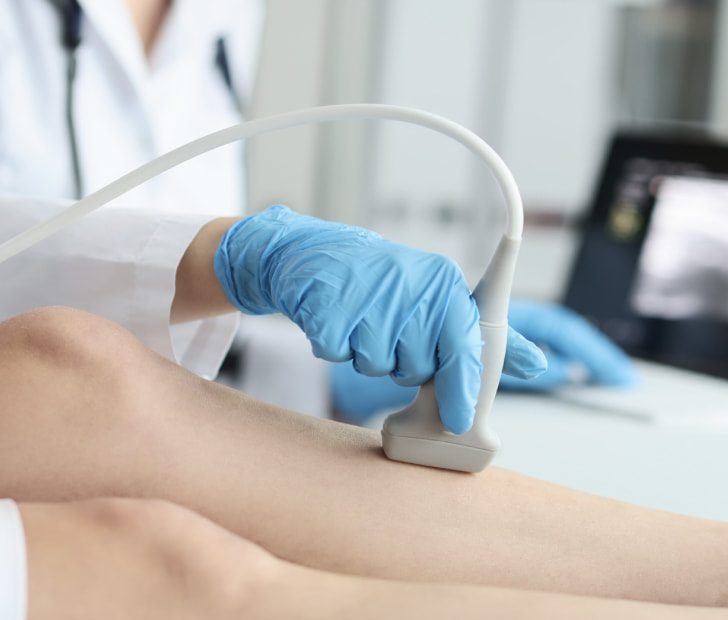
(71, 17)
(71, 22)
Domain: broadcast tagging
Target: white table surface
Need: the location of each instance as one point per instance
(682, 469)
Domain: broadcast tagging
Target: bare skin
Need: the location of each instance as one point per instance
(151, 559)
(148, 17)
(198, 292)
(122, 559)
(89, 412)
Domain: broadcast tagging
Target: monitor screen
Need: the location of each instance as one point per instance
(682, 271)
(652, 270)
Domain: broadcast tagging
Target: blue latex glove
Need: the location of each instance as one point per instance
(392, 309)
(576, 351)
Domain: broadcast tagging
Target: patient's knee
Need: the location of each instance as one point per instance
(192, 557)
(118, 558)
(63, 337)
(58, 363)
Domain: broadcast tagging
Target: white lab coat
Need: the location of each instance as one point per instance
(128, 110)
(118, 263)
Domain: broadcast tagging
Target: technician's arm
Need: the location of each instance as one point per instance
(198, 293)
(392, 309)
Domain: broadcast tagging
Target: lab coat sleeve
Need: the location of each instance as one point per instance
(116, 263)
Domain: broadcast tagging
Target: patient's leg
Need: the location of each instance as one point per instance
(87, 411)
(127, 558)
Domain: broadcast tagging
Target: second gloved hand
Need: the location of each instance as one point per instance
(392, 309)
(577, 352)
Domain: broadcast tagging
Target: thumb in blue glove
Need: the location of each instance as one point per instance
(391, 309)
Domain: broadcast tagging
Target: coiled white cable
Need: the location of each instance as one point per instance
(415, 434)
(265, 125)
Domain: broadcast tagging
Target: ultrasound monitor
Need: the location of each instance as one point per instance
(652, 269)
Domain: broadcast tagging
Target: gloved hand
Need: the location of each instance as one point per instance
(392, 309)
(576, 351)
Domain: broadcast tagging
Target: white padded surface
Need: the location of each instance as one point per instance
(13, 569)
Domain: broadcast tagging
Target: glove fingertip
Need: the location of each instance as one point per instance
(457, 394)
(460, 426)
(524, 359)
(458, 419)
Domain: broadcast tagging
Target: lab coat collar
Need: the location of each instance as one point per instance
(205, 20)
(111, 19)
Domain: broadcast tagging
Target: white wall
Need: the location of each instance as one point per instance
(559, 99)
(719, 101)
(550, 105)
(534, 78)
(314, 52)
(538, 79)
(291, 76)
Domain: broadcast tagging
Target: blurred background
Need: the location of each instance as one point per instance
(545, 82)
